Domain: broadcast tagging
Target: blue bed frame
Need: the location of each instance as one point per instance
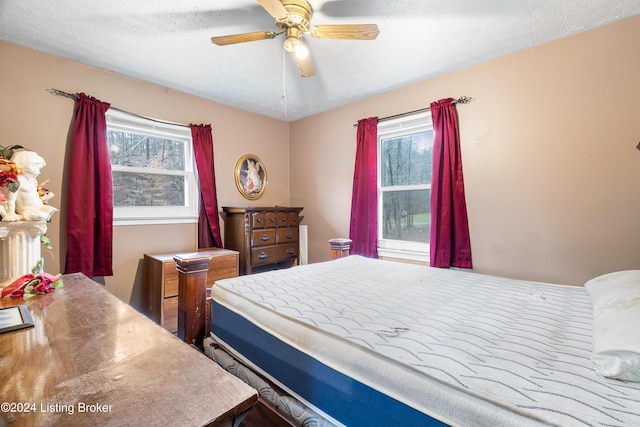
(341, 397)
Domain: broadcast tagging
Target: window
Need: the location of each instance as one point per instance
(154, 179)
(405, 147)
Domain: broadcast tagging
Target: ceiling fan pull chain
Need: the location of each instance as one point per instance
(283, 99)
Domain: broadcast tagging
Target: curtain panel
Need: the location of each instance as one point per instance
(363, 227)
(450, 244)
(208, 220)
(90, 201)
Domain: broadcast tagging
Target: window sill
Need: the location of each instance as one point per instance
(153, 221)
(403, 254)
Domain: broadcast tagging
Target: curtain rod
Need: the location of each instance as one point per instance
(461, 100)
(75, 98)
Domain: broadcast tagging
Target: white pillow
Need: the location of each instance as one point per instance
(616, 324)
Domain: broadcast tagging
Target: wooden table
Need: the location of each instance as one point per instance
(93, 360)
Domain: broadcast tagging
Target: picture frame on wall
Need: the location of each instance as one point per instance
(250, 176)
(15, 318)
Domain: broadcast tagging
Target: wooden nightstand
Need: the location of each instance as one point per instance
(160, 281)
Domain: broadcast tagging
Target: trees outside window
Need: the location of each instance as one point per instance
(153, 170)
(405, 159)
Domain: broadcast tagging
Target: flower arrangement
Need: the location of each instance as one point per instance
(19, 168)
(36, 283)
(8, 170)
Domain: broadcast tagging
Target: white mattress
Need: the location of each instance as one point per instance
(464, 348)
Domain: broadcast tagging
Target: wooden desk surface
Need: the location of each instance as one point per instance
(93, 360)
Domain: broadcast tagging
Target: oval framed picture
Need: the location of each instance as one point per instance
(251, 176)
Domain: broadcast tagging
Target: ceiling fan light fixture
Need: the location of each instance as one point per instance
(300, 50)
(294, 44)
(290, 43)
(293, 19)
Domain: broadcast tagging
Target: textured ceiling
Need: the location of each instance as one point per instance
(167, 42)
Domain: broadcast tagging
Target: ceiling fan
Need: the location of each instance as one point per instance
(293, 19)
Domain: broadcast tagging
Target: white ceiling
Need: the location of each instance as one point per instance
(167, 42)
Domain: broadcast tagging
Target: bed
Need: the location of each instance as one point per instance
(364, 342)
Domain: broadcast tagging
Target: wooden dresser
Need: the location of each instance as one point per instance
(92, 360)
(267, 238)
(160, 281)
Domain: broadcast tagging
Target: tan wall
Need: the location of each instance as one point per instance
(548, 145)
(41, 122)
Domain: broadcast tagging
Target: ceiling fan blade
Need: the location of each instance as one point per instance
(275, 9)
(241, 38)
(347, 32)
(305, 66)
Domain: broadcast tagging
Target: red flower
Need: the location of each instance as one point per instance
(16, 288)
(41, 285)
(7, 178)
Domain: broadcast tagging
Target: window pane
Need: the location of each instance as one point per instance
(145, 189)
(406, 215)
(138, 150)
(406, 160)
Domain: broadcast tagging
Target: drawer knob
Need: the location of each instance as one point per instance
(288, 235)
(262, 255)
(290, 251)
(264, 237)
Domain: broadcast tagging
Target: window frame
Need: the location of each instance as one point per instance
(150, 215)
(401, 126)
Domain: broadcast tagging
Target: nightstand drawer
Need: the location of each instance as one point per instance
(160, 284)
(170, 280)
(271, 254)
(222, 267)
(170, 314)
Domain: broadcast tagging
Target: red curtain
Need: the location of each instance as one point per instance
(363, 229)
(90, 201)
(208, 222)
(450, 244)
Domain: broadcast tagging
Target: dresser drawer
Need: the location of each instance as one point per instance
(257, 220)
(286, 235)
(271, 254)
(263, 237)
(292, 219)
(270, 219)
(282, 219)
